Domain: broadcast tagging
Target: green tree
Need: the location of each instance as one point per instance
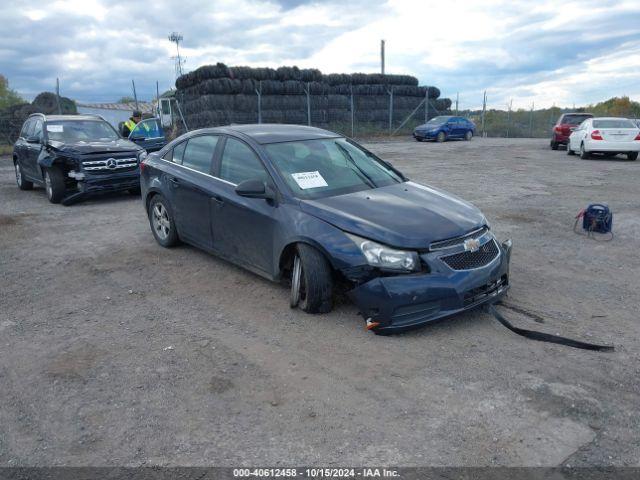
(8, 96)
(126, 99)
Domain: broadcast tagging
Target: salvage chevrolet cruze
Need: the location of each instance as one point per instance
(315, 209)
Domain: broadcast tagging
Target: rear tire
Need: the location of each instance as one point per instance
(554, 145)
(20, 180)
(569, 151)
(441, 137)
(311, 281)
(583, 153)
(162, 222)
(632, 155)
(54, 184)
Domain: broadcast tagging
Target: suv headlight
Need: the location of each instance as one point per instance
(381, 256)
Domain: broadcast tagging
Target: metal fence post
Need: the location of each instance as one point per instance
(531, 120)
(259, 94)
(306, 90)
(352, 114)
(390, 108)
(484, 110)
(426, 105)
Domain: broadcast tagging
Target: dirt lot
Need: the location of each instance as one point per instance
(116, 351)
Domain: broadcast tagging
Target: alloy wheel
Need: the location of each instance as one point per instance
(160, 220)
(18, 174)
(296, 276)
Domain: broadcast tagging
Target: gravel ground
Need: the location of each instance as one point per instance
(119, 352)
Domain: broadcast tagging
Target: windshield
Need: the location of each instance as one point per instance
(72, 131)
(574, 119)
(614, 123)
(437, 120)
(327, 167)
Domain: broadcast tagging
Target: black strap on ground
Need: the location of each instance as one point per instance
(547, 337)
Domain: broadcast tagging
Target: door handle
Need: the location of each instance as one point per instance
(174, 182)
(218, 200)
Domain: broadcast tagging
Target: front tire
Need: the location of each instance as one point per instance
(583, 153)
(441, 137)
(20, 180)
(632, 155)
(468, 136)
(54, 184)
(162, 222)
(311, 281)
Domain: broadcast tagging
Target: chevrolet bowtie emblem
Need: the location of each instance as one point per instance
(472, 245)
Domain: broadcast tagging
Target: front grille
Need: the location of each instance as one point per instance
(452, 242)
(110, 164)
(483, 292)
(469, 260)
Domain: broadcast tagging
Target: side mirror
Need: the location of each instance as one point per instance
(135, 138)
(33, 139)
(255, 188)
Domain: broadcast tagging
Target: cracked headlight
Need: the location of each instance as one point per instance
(388, 258)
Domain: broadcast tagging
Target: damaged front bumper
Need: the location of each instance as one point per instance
(92, 184)
(392, 304)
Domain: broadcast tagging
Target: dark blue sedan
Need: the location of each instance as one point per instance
(319, 212)
(444, 128)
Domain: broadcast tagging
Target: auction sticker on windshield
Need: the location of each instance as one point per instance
(55, 128)
(309, 180)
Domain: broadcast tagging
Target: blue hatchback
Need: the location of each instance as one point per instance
(444, 128)
(316, 210)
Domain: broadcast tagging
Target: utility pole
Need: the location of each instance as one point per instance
(176, 38)
(382, 56)
(426, 105)
(58, 96)
(135, 96)
(457, 93)
(157, 99)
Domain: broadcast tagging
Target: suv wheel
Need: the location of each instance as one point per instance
(569, 151)
(311, 282)
(54, 184)
(583, 153)
(162, 222)
(441, 137)
(469, 135)
(554, 145)
(20, 180)
(632, 155)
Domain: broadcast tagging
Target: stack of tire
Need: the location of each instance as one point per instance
(13, 117)
(217, 94)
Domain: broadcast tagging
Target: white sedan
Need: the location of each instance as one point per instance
(608, 136)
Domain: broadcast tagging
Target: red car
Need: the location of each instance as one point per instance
(564, 126)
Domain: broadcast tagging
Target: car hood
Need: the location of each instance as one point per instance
(113, 146)
(404, 215)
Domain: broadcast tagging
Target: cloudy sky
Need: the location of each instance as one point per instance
(560, 52)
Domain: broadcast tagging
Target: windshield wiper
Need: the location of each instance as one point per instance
(363, 175)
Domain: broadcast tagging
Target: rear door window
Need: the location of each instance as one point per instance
(149, 128)
(574, 119)
(198, 153)
(37, 129)
(177, 153)
(239, 163)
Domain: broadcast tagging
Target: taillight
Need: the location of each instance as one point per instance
(637, 136)
(558, 128)
(595, 135)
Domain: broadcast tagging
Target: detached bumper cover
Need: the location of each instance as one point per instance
(403, 302)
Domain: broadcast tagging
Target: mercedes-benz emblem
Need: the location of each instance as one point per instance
(111, 163)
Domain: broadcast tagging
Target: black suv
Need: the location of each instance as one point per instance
(75, 155)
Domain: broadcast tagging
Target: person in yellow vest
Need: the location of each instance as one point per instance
(130, 124)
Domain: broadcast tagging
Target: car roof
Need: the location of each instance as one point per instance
(52, 118)
(577, 113)
(265, 133)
